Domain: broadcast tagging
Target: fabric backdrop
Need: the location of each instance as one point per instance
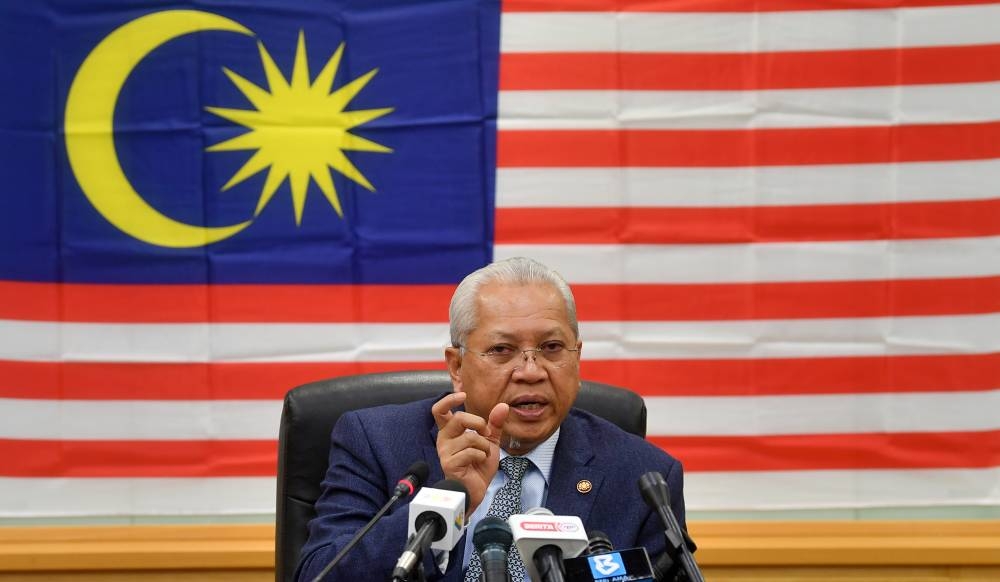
(780, 219)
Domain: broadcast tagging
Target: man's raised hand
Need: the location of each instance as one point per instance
(468, 446)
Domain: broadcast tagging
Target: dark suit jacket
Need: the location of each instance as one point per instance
(371, 449)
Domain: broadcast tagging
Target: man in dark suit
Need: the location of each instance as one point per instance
(514, 365)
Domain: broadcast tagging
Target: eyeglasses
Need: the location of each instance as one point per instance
(554, 353)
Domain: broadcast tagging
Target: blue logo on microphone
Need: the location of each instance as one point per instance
(606, 565)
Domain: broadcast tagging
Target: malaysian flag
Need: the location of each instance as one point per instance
(779, 218)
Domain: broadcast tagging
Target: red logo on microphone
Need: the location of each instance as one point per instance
(538, 526)
(549, 526)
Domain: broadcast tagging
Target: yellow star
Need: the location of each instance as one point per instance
(299, 130)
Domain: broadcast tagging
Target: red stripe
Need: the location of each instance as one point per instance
(800, 376)
(658, 225)
(182, 381)
(38, 458)
(953, 450)
(224, 303)
(749, 71)
(746, 301)
(720, 5)
(699, 377)
(596, 302)
(738, 147)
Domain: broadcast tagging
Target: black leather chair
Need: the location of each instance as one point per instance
(310, 411)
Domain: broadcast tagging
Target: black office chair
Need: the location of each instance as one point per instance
(310, 411)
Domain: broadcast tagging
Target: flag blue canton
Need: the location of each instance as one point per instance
(428, 220)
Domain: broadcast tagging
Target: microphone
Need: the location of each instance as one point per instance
(547, 539)
(664, 569)
(410, 482)
(492, 539)
(437, 521)
(602, 563)
(656, 494)
(599, 543)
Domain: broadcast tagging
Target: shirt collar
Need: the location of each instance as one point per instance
(542, 455)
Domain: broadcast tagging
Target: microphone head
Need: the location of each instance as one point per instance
(599, 543)
(412, 480)
(491, 530)
(444, 505)
(419, 472)
(453, 485)
(539, 529)
(538, 511)
(654, 490)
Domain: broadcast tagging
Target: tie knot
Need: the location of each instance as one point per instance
(515, 467)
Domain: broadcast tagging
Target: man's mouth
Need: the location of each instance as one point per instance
(528, 403)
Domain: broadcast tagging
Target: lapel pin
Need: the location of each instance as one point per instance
(584, 486)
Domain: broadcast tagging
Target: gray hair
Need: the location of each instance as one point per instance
(513, 271)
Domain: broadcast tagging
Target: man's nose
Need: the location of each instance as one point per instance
(529, 366)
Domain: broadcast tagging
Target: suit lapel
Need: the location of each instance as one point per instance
(571, 468)
(429, 451)
(429, 447)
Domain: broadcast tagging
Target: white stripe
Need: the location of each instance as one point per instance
(748, 490)
(824, 414)
(840, 107)
(66, 497)
(766, 262)
(139, 420)
(748, 32)
(960, 334)
(697, 416)
(751, 186)
(965, 334)
(202, 342)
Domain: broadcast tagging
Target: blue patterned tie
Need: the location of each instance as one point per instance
(506, 503)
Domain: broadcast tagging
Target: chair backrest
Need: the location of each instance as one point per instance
(310, 411)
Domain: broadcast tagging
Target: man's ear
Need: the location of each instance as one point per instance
(453, 357)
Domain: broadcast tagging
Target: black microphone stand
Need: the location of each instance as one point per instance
(548, 560)
(418, 575)
(665, 569)
(402, 490)
(682, 567)
(657, 495)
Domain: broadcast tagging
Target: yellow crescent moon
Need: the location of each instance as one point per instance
(89, 126)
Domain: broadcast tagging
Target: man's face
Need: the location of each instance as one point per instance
(539, 393)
